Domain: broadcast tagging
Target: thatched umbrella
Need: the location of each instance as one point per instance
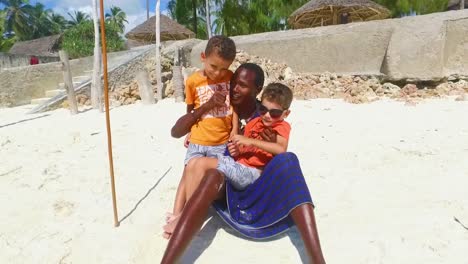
(331, 12)
(170, 30)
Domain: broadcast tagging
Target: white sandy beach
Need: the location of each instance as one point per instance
(388, 181)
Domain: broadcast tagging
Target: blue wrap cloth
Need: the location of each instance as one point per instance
(262, 210)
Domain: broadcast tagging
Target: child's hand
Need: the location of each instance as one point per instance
(187, 140)
(233, 149)
(245, 141)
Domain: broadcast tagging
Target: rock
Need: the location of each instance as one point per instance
(288, 73)
(463, 97)
(409, 89)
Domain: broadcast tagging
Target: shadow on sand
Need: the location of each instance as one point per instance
(208, 233)
(24, 120)
(144, 197)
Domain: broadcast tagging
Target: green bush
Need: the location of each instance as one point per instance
(78, 40)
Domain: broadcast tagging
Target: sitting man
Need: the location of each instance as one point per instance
(269, 206)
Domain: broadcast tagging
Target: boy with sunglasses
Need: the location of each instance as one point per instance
(250, 152)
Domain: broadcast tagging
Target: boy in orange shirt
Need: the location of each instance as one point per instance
(203, 89)
(250, 152)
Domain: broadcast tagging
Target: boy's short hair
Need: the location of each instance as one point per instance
(278, 93)
(223, 46)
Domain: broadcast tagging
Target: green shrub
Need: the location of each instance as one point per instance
(78, 40)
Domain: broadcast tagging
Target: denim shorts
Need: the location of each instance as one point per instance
(195, 150)
(239, 175)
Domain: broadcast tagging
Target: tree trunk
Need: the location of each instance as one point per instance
(462, 4)
(208, 19)
(96, 91)
(158, 53)
(194, 10)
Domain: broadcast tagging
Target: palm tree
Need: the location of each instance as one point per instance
(18, 18)
(116, 18)
(5, 42)
(77, 17)
(190, 13)
(42, 25)
(59, 23)
(2, 22)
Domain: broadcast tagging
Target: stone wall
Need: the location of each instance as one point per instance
(14, 60)
(420, 48)
(21, 84)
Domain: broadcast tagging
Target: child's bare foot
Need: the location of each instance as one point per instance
(171, 216)
(170, 226)
(166, 235)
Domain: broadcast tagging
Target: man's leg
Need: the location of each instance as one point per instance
(304, 218)
(194, 214)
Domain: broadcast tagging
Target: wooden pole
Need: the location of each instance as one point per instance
(106, 102)
(67, 79)
(147, 9)
(177, 78)
(159, 85)
(145, 88)
(96, 91)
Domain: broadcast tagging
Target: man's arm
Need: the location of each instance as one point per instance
(268, 134)
(185, 122)
(275, 148)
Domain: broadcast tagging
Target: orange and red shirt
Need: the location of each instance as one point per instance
(253, 156)
(215, 126)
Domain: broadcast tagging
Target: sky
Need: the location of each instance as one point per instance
(135, 9)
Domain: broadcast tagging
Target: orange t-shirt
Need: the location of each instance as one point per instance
(253, 156)
(215, 125)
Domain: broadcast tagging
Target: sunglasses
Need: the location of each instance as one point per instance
(274, 113)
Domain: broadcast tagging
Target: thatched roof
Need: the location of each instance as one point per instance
(170, 30)
(328, 12)
(46, 46)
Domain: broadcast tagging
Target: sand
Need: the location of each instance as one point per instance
(388, 181)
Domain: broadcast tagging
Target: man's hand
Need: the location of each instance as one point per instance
(268, 134)
(185, 122)
(241, 140)
(233, 149)
(217, 100)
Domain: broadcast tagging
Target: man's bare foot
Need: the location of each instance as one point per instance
(170, 226)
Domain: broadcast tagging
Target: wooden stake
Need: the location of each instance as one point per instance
(67, 79)
(145, 87)
(177, 78)
(106, 101)
(158, 53)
